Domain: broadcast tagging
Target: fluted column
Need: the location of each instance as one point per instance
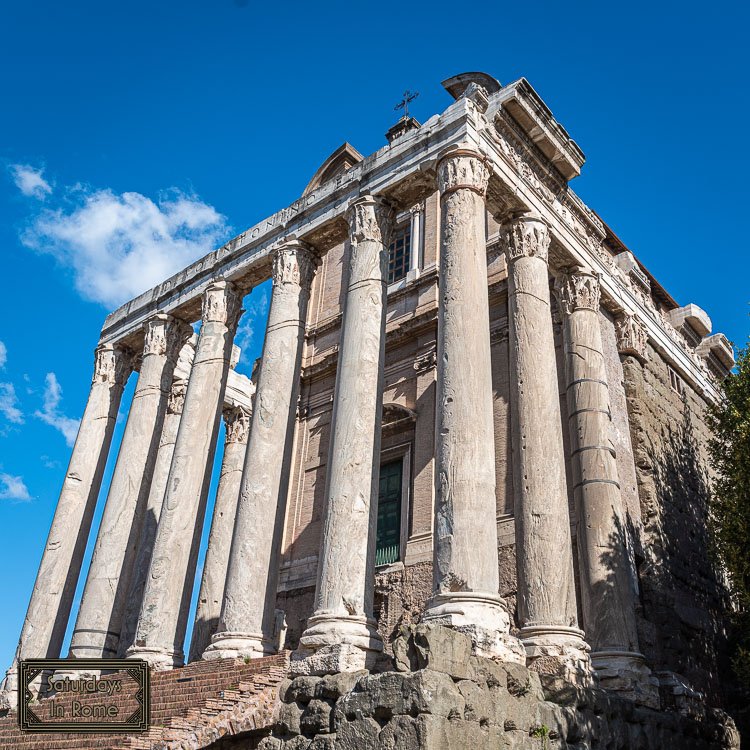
(237, 427)
(102, 610)
(163, 617)
(52, 597)
(465, 563)
(607, 586)
(153, 509)
(342, 625)
(546, 590)
(247, 613)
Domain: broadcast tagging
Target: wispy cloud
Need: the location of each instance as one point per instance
(121, 244)
(9, 404)
(13, 488)
(3, 354)
(50, 413)
(30, 181)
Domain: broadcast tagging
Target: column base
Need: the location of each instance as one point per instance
(337, 643)
(483, 617)
(558, 650)
(159, 659)
(627, 674)
(228, 645)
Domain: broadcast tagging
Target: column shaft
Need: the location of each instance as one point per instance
(215, 566)
(52, 597)
(102, 610)
(465, 564)
(607, 587)
(247, 615)
(546, 590)
(153, 512)
(344, 596)
(166, 600)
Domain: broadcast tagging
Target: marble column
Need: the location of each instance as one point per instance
(153, 507)
(246, 625)
(546, 589)
(166, 600)
(606, 572)
(52, 597)
(465, 553)
(237, 428)
(102, 610)
(342, 629)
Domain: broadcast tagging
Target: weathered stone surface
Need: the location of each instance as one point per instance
(101, 615)
(163, 618)
(332, 687)
(246, 624)
(216, 563)
(465, 571)
(546, 589)
(316, 718)
(432, 646)
(344, 594)
(302, 689)
(360, 734)
(289, 718)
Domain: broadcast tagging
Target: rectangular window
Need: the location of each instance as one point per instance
(399, 253)
(388, 548)
(675, 381)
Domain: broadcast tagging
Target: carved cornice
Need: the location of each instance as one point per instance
(237, 422)
(525, 236)
(165, 335)
(578, 290)
(295, 263)
(370, 219)
(462, 168)
(426, 362)
(112, 365)
(631, 335)
(222, 304)
(176, 399)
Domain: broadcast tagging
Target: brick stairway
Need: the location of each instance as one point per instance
(190, 707)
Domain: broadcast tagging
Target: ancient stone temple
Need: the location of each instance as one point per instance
(462, 502)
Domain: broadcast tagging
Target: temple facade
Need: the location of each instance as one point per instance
(475, 408)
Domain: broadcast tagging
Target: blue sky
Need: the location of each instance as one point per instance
(135, 136)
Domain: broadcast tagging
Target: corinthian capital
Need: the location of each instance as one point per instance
(294, 263)
(370, 218)
(165, 335)
(579, 290)
(222, 304)
(463, 168)
(237, 422)
(112, 365)
(632, 337)
(525, 236)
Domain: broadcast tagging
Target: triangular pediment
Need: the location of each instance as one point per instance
(342, 159)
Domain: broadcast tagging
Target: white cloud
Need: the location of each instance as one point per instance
(9, 404)
(30, 181)
(13, 488)
(3, 354)
(120, 245)
(50, 413)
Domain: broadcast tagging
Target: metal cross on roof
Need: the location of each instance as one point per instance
(409, 96)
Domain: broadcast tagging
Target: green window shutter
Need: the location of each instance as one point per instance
(388, 548)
